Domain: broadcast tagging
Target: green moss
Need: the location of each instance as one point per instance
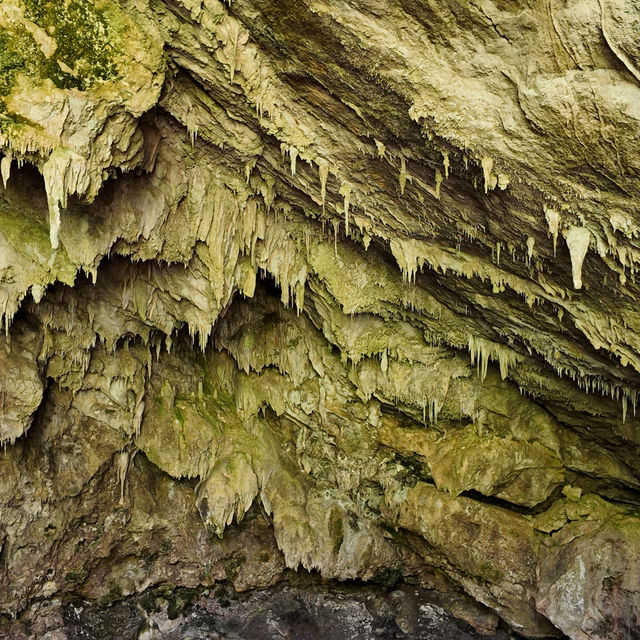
(87, 44)
(159, 405)
(147, 557)
(23, 231)
(178, 414)
(15, 49)
(490, 572)
(10, 122)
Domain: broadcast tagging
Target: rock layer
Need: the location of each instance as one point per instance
(368, 268)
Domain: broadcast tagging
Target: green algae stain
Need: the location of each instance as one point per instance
(10, 122)
(16, 48)
(29, 236)
(87, 45)
(87, 42)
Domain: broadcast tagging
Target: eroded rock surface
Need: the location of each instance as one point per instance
(297, 608)
(344, 287)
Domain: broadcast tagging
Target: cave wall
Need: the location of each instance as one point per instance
(363, 271)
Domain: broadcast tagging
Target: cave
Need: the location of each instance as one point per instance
(319, 320)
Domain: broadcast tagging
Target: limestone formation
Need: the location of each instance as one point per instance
(343, 287)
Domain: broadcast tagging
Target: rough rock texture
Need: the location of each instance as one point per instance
(338, 286)
(305, 609)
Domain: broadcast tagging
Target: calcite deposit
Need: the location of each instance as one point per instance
(332, 286)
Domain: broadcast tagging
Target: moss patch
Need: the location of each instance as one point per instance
(87, 47)
(30, 237)
(87, 42)
(10, 122)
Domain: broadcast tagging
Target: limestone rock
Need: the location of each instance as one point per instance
(334, 287)
(21, 383)
(588, 586)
